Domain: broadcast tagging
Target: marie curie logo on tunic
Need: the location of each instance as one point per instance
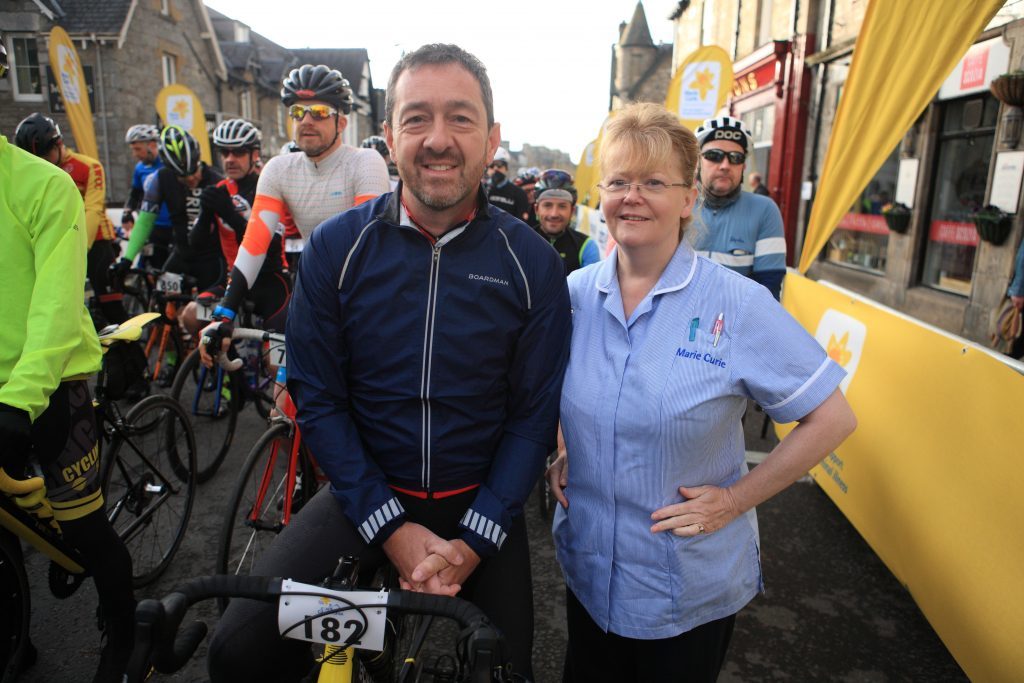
(179, 111)
(842, 337)
(68, 68)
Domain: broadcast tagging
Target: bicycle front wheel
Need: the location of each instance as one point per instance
(149, 482)
(15, 607)
(255, 513)
(210, 396)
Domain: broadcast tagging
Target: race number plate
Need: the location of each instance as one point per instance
(337, 620)
(276, 352)
(170, 283)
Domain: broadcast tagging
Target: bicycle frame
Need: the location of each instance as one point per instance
(268, 475)
(41, 535)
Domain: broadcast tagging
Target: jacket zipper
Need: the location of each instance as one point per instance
(428, 346)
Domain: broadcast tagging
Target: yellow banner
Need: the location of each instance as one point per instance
(906, 48)
(179, 106)
(71, 82)
(932, 477)
(701, 85)
(586, 176)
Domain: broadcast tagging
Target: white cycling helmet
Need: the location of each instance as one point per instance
(236, 134)
(142, 132)
(501, 154)
(724, 128)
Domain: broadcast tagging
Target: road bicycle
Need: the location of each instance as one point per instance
(338, 618)
(213, 397)
(278, 477)
(148, 496)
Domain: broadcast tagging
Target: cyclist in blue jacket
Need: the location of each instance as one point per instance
(428, 337)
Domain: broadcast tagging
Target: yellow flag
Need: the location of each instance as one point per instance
(700, 86)
(179, 106)
(586, 175)
(905, 50)
(71, 82)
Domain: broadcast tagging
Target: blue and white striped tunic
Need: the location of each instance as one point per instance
(648, 407)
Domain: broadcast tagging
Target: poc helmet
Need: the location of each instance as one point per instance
(142, 132)
(724, 128)
(236, 134)
(37, 134)
(554, 184)
(318, 82)
(179, 150)
(378, 143)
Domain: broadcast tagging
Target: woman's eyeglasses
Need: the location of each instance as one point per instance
(319, 112)
(716, 156)
(648, 188)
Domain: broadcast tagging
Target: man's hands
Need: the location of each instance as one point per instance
(217, 200)
(1018, 302)
(216, 338)
(427, 563)
(119, 268)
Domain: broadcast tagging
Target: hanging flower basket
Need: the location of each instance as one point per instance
(897, 217)
(993, 225)
(1009, 88)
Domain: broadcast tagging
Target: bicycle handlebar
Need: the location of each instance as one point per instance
(231, 365)
(159, 644)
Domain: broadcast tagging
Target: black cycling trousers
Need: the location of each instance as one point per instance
(105, 299)
(246, 645)
(594, 656)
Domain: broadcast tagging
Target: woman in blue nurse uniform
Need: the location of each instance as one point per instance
(656, 532)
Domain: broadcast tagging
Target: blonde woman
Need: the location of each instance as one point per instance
(656, 532)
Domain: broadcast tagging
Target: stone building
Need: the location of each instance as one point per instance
(791, 60)
(641, 70)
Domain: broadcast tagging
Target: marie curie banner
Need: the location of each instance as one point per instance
(701, 85)
(932, 477)
(67, 68)
(179, 106)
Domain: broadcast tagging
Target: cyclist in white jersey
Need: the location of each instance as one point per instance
(327, 178)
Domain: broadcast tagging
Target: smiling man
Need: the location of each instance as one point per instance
(427, 340)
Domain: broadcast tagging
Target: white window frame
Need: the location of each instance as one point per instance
(165, 7)
(169, 68)
(12, 72)
(245, 104)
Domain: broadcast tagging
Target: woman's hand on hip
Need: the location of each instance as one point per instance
(706, 509)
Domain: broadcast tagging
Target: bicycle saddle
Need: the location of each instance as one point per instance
(129, 330)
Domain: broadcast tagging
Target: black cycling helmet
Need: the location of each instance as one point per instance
(318, 82)
(554, 184)
(37, 134)
(378, 143)
(236, 134)
(179, 150)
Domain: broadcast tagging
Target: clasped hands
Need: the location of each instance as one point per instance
(427, 563)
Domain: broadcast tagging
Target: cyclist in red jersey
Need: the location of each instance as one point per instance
(41, 136)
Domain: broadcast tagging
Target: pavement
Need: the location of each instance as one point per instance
(831, 611)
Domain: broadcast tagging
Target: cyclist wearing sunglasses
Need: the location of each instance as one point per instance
(41, 136)
(744, 230)
(224, 211)
(556, 202)
(179, 185)
(328, 177)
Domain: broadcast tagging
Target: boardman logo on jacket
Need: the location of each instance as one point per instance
(488, 278)
(842, 336)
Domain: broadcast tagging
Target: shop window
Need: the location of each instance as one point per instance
(761, 123)
(861, 239)
(26, 77)
(961, 174)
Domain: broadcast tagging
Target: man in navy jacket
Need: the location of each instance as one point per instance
(427, 340)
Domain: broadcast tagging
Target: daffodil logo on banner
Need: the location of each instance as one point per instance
(842, 336)
(179, 106)
(701, 85)
(71, 83)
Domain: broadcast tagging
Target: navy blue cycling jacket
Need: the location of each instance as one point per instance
(430, 367)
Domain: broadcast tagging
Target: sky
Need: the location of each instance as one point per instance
(549, 61)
